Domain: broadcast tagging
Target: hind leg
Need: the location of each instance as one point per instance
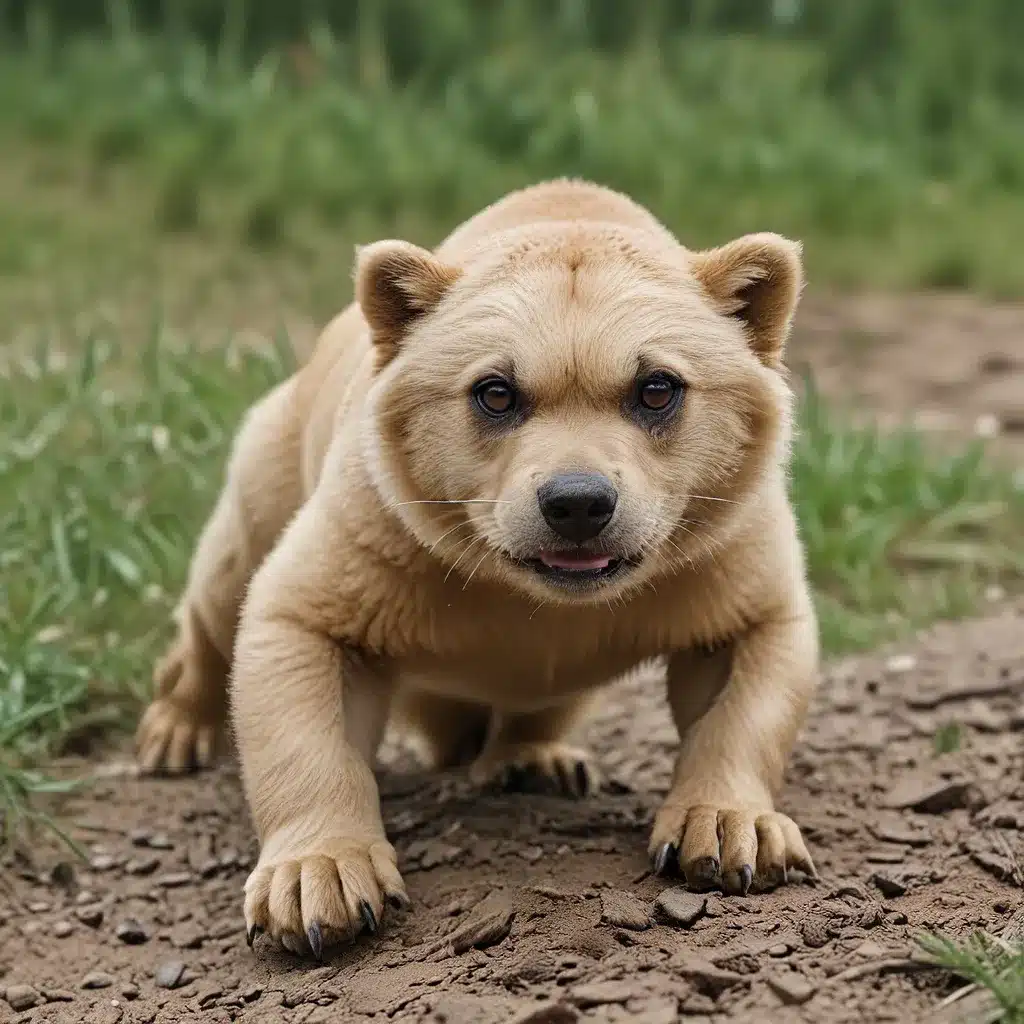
(530, 753)
(450, 732)
(184, 726)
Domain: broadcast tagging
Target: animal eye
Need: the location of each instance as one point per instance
(495, 397)
(659, 393)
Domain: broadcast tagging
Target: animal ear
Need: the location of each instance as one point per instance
(396, 284)
(757, 279)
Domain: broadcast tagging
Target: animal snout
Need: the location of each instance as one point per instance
(577, 506)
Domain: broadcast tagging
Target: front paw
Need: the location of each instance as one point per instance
(326, 892)
(538, 768)
(712, 844)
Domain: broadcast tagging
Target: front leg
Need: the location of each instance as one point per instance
(738, 710)
(308, 720)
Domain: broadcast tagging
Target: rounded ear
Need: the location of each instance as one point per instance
(757, 279)
(396, 283)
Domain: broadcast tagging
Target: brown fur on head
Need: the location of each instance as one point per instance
(581, 325)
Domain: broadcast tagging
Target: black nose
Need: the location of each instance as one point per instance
(577, 506)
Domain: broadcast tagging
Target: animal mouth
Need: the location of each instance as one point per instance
(575, 569)
(571, 561)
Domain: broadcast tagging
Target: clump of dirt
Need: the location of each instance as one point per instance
(541, 910)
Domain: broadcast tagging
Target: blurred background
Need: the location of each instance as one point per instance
(888, 134)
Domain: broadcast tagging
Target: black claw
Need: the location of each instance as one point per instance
(368, 916)
(664, 858)
(563, 782)
(399, 900)
(250, 935)
(514, 780)
(316, 940)
(746, 877)
(582, 779)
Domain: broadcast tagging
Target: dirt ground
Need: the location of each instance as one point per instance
(536, 909)
(948, 364)
(540, 909)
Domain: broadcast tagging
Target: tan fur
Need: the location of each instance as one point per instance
(372, 515)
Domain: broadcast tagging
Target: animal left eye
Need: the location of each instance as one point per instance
(659, 393)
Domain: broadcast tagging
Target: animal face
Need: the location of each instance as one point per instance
(579, 412)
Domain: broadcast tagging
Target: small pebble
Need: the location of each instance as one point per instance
(58, 995)
(623, 910)
(63, 874)
(900, 663)
(987, 425)
(142, 865)
(174, 880)
(888, 885)
(779, 951)
(791, 989)
(38, 908)
(96, 979)
(22, 997)
(103, 862)
(130, 991)
(680, 906)
(91, 916)
(169, 974)
(131, 932)
(62, 929)
(228, 858)
(601, 993)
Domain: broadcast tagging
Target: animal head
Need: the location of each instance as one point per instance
(576, 408)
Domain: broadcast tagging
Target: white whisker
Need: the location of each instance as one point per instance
(450, 530)
(475, 567)
(464, 501)
(707, 497)
(473, 541)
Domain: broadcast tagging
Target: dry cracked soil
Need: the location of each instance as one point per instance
(539, 909)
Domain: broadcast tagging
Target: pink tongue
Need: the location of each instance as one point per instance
(580, 563)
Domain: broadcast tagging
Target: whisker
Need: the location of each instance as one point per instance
(464, 501)
(450, 530)
(473, 541)
(475, 567)
(707, 497)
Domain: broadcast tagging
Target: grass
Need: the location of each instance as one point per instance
(245, 141)
(989, 964)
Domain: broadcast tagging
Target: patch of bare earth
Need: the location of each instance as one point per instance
(951, 365)
(541, 910)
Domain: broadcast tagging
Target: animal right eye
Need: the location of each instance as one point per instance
(495, 397)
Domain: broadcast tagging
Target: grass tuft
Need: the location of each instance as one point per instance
(898, 533)
(991, 964)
